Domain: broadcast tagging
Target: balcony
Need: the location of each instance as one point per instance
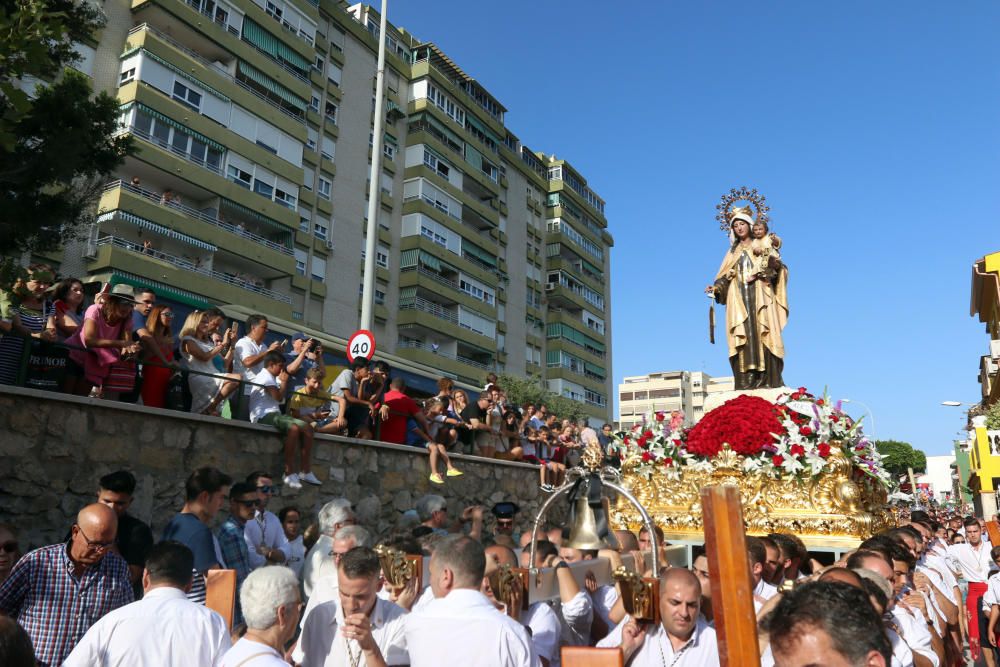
(436, 351)
(425, 306)
(163, 201)
(186, 265)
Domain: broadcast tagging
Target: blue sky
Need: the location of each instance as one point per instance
(870, 127)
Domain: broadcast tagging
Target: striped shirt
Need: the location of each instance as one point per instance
(12, 345)
(234, 551)
(54, 606)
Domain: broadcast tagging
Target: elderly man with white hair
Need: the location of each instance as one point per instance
(271, 608)
(332, 517)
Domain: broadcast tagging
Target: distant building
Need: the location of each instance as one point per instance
(938, 477)
(668, 391)
(984, 455)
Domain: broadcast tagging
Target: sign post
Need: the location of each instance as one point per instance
(361, 344)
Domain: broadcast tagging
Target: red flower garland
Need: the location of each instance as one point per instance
(747, 423)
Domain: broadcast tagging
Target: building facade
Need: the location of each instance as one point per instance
(984, 454)
(254, 120)
(668, 391)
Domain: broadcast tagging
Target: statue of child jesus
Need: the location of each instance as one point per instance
(764, 246)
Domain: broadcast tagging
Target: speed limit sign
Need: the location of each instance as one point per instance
(361, 344)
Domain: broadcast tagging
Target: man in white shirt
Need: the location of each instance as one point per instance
(332, 517)
(359, 628)
(163, 628)
(461, 626)
(265, 537)
(682, 638)
(576, 608)
(250, 352)
(762, 590)
(326, 585)
(539, 618)
(973, 559)
(827, 623)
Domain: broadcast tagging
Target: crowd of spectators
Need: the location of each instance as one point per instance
(125, 346)
(109, 595)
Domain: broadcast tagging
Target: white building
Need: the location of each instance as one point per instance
(668, 391)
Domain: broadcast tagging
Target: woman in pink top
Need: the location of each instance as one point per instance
(105, 334)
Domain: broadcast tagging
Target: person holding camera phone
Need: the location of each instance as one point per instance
(306, 353)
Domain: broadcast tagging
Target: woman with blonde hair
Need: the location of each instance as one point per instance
(208, 387)
(155, 375)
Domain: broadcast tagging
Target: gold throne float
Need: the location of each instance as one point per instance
(837, 508)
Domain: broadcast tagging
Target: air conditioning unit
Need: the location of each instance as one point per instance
(329, 244)
(995, 349)
(549, 287)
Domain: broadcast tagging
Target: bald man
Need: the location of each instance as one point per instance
(682, 638)
(57, 592)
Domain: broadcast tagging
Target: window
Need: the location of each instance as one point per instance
(331, 111)
(304, 224)
(436, 163)
(320, 231)
(329, 148)
(187, 96)
(300, 261)
(314, 104)
(308, 176)
(317, 269)
(126, 76)
(318, 65)
(273, 10)
(389, 151)
(333, 73)
(324, 188)
(239, 177)
(286, 199)
(382, 257)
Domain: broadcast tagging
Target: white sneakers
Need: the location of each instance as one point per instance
(309, 478)
(292, 482)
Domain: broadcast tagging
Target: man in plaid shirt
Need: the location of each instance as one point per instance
(57, 592)
(232, 544)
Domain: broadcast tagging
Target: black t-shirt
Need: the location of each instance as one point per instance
(471, 412)
(134, 539)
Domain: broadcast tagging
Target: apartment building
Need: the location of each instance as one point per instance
(254, 121)
(686, 391)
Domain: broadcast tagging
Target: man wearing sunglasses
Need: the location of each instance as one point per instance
(265, 536)
(232, 543)
(57, 592)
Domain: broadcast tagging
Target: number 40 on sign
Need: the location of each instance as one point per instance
(361, 344)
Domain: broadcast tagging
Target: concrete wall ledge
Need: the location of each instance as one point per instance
(54, 448)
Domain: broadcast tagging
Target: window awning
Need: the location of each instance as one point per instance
(408, 258)
(255, 34)
(391, 108)
(181, 73)
(479, 253)
(215, 145)
(593, 368)
(389, 138)
(179, 295)
(133, 219)
(263, 80)
(430, 261)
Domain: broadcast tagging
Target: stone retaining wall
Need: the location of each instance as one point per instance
(54, 448)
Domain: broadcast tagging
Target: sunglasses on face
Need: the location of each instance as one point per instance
(246, 503)
(9, 547)
(265, 489)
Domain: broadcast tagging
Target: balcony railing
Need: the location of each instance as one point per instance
(167, 146)
(436, 277)
(157, 198)
(423, 305)
(193, 267)
(221, 71)
(417, 345)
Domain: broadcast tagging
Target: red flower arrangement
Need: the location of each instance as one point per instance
(747, 423)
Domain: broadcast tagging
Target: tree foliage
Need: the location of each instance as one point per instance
(57, 144)
(531, 390)
(899, 456)
(993, 417)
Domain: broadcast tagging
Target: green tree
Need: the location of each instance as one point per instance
(993, 417)
(57, 144)
(531, 390)
(899, 456)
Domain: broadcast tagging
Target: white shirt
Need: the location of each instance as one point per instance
(975, 564)
(576, 617)
(318, 561)
(464, 628)
(701, 650)
(261, 401)
(545, 631)
(604, 598)
(264, 529)
(765, 590)
(326, 589)
(246, 348)
(915, 633)
(296, 556)
(992, 594)
(902, 656)
(246, 653)
(163, 628)
(322, 644)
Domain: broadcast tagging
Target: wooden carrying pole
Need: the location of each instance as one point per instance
(220, 593)
(729, 570)
(993, 530)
